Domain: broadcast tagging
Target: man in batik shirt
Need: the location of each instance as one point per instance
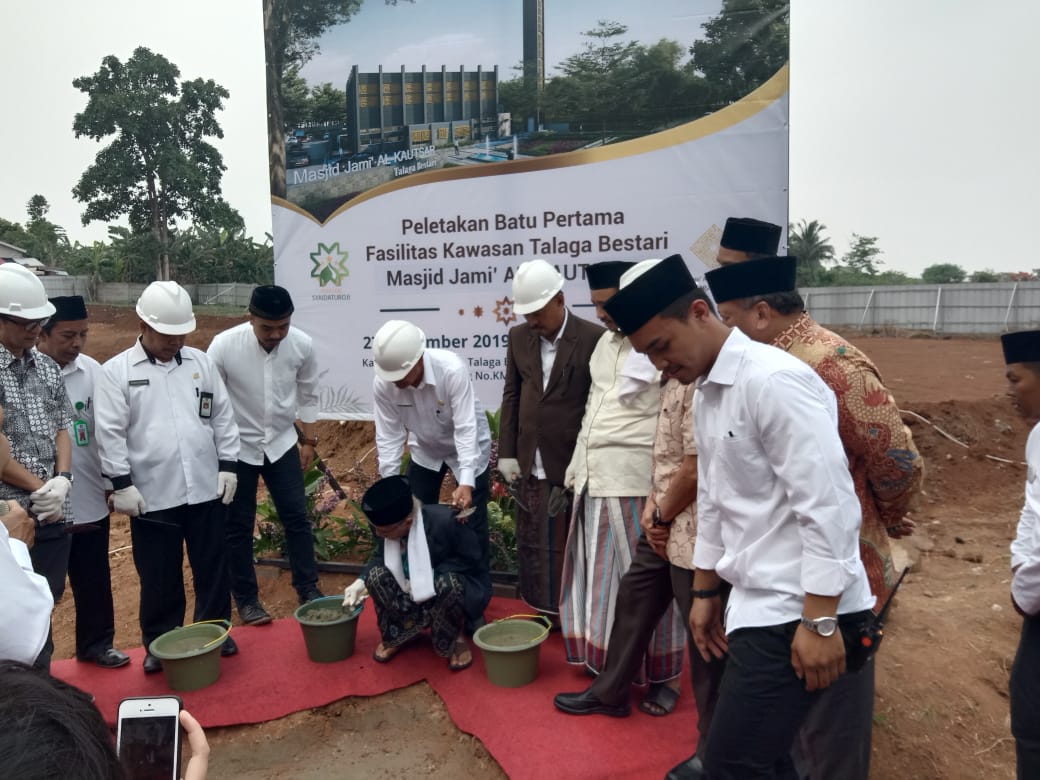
(761, 298)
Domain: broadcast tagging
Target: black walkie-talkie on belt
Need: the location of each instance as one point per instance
(862, 644)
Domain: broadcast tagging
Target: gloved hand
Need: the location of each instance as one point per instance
(48, 503)
(559, 499)
(129, 501)
(569, 477)
(227, 483)
(355, 593)
(509, 468)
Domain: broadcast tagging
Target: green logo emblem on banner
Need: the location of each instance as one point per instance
(329, 265)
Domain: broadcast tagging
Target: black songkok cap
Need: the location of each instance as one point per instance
(606, 275)
(271, 302)
(753, 277)
(68, 307)
(744, 234)
(649, 294)
(388, 501)
(1021, 347)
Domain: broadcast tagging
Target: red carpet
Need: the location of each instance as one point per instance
(272, 677)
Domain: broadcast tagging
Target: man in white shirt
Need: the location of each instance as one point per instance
(425, 398)
(271, 374)
(1022, 356)
(778, 518)
(169, 444)
(610, 473)
(25, 596)
(62, 340)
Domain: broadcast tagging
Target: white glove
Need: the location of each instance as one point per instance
(49, 501)
(509, 468)
(227, 483)
(569, 477)
(355, 593)
(129, 501)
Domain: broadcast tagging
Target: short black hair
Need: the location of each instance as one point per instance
(790, 302)
(51, 729)
(679, 309)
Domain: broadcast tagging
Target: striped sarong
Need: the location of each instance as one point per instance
(600, 546)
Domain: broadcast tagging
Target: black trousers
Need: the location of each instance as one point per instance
(50, 558)
(159, 538)
(1024, 690)
(426, 486)
(284, 480)
(91, 580)
(646, 591)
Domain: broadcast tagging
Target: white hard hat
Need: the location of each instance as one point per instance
(535, 284)
(166, 307)
(397, 347)
(22, 294)
(636, 271)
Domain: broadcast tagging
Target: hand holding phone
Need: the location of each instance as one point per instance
(148, 737)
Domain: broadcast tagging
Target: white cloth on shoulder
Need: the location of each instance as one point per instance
(420, 570)
(636, 373)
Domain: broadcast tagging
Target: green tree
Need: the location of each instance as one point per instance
(158, 167)
(985, 275)
(863, 255)
(37, 207)
(943, 273)
(742, 47)
(291, 31)
(810, 244)
(296, 99)
(328, 104)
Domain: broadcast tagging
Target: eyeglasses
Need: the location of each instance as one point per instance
(27, 325)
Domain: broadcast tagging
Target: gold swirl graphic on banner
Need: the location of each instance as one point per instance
(749, 105)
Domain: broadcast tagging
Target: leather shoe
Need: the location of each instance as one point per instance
(585, 703)
(110, 658)
(152, 664)
(690, 769)
(253, 614)
(229, 647)
(310, 594)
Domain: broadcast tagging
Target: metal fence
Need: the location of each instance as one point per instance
(941, 308)
(123, 293)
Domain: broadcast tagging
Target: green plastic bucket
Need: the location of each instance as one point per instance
(190, 655)
(510, 648)
(328, 641)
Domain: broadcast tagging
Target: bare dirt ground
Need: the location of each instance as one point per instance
(941, 708)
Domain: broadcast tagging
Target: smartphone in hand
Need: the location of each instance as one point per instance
(148, 737)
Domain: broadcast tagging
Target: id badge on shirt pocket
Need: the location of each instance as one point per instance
(205, 405)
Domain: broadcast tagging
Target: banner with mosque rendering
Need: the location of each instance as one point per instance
(421, 154)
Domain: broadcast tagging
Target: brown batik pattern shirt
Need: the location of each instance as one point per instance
(673, 442)
(886, 467)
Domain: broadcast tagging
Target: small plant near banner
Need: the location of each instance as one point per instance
(501, 509)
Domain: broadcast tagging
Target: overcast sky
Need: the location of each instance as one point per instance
(915, 122)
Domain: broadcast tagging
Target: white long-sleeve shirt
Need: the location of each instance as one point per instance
(269, 390)
(777, 513)
(442, 420)
(25, 602)
(88, 491)
(151, 426)
(1025, 549)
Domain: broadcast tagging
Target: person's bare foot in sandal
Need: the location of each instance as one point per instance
(661, 698)
(384, 654)
(461, 656)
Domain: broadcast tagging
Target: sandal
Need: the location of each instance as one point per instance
(460, 650)
(660, 700)
(383, 654)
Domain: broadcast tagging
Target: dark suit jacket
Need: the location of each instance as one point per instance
(454, 547)
(549, 420)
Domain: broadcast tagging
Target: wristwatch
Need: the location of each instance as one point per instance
(824, 626)
(67, 475)
(657, 521)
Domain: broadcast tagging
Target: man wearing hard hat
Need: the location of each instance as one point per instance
(425, 397)
(169, 443)
(36, 421)
(547, 384)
